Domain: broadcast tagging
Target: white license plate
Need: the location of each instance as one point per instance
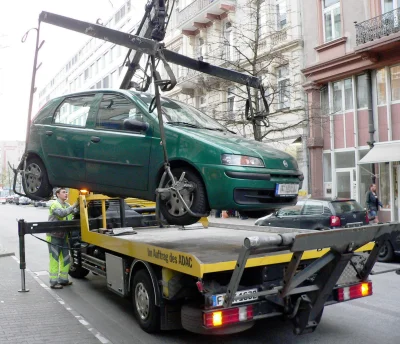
(218, 300)
(286, 189)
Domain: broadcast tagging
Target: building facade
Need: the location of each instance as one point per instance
(352, 69)
(97, 64)
(259, 37)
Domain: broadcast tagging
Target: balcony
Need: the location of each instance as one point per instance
(201, 14)
(378, 27)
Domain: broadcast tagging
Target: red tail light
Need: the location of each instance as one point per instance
(354, 291)
(227, 316)
(335, 221)
(366, 218)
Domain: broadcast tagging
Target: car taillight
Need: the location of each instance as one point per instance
(335, 221)
(354, 291)
(227, 316)
(366, 218)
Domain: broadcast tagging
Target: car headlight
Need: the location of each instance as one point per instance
(241, 160)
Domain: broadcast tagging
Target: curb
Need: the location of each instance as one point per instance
(7, 254)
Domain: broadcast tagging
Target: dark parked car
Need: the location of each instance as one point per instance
(107, 141)
(318, 214)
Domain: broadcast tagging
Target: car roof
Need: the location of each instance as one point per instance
(328, 199)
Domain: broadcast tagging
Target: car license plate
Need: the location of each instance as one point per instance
(286, 189)
(218, 300)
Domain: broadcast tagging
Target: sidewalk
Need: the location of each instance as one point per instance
(38, 316)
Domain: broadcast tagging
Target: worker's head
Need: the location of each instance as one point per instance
(62, 194)
(372, 187)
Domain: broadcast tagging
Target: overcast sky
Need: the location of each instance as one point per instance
(16, 58)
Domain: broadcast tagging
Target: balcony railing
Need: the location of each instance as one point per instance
(378, 27)
(191, 10)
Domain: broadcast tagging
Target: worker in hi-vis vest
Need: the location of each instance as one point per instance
(60, 259)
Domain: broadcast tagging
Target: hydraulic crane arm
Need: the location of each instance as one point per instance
(149, 47)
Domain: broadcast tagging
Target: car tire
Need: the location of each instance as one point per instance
(143, 300)
(37, 186)
(386, 252)
(78, 272)
(171, 210)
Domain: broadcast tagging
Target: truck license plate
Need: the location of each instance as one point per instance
(286, 189)
(218, 300)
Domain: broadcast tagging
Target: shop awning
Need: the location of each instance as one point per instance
(382, 152)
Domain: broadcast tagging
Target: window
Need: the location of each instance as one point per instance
(327, 168)
(332, 20)
(231, 103)
(348, 94)
(345, 159)
(73, 111)
(362, 89)
(365, 177)
(86, 73)
(325, 100)
(313, 208)
(106, 82)
(114, 109)
(381, 86)
(281, 15)
(283, 87)
(289, 211)
(337, 96)
(390, 5)
(228, 41)
(395, 82)
(102, 62)
(200, 47)
(384, 185)
(98, 85)
(97, 66)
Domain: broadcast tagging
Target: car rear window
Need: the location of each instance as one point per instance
(343, 207)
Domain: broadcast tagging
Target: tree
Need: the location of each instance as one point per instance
(258, 39)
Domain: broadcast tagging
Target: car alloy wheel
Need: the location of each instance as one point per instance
(174, 205)
(33, 177)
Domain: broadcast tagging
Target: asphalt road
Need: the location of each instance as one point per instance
(370, 320)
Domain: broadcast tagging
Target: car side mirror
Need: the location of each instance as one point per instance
(134, 125)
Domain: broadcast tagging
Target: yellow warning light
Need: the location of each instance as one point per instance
(217, 318)
(83, 192)
(364, 289)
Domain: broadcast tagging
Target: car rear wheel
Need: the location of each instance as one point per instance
(386, 252)
(35, 180)
(174, 211)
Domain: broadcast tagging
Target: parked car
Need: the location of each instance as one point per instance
(3, 200)
(108, 141)
(24, 201)
(10, 199)
(318, 214)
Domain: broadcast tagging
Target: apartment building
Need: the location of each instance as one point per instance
(260, 37)
(97, 64)
(352, 67)
(10, 153)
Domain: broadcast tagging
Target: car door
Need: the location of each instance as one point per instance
(64, 140)
(117, 156)
(312, 215)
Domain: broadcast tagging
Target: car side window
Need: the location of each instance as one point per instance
(313, 208)
(74, 111)
(115, 109)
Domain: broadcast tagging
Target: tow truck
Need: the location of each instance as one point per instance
(208, 278)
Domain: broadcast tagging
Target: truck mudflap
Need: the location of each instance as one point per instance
(325, 272)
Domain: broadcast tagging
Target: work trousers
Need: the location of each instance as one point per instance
(60, 259)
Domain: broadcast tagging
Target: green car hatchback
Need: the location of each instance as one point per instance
(108, 142)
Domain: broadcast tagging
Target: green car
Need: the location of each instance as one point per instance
(109, 142)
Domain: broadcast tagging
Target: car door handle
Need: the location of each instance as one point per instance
(49, 133)
(95, 139)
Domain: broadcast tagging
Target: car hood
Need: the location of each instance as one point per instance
(236, 144)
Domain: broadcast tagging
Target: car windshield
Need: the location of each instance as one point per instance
(342, 207)
(289, 211)
(177, 113)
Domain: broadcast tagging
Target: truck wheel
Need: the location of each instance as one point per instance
(192, 321)
(78, 272)
(173, 210)
(143, 299)
(386, 252)
(36, 183)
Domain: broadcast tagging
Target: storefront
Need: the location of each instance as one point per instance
(386, 157)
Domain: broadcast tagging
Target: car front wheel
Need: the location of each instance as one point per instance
(35, 180)
(172, 208)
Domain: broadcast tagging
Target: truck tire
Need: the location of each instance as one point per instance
(192, 321)
(36, 183)
(386, 252)
(173, 213)
(78, 272)
(143, 300)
